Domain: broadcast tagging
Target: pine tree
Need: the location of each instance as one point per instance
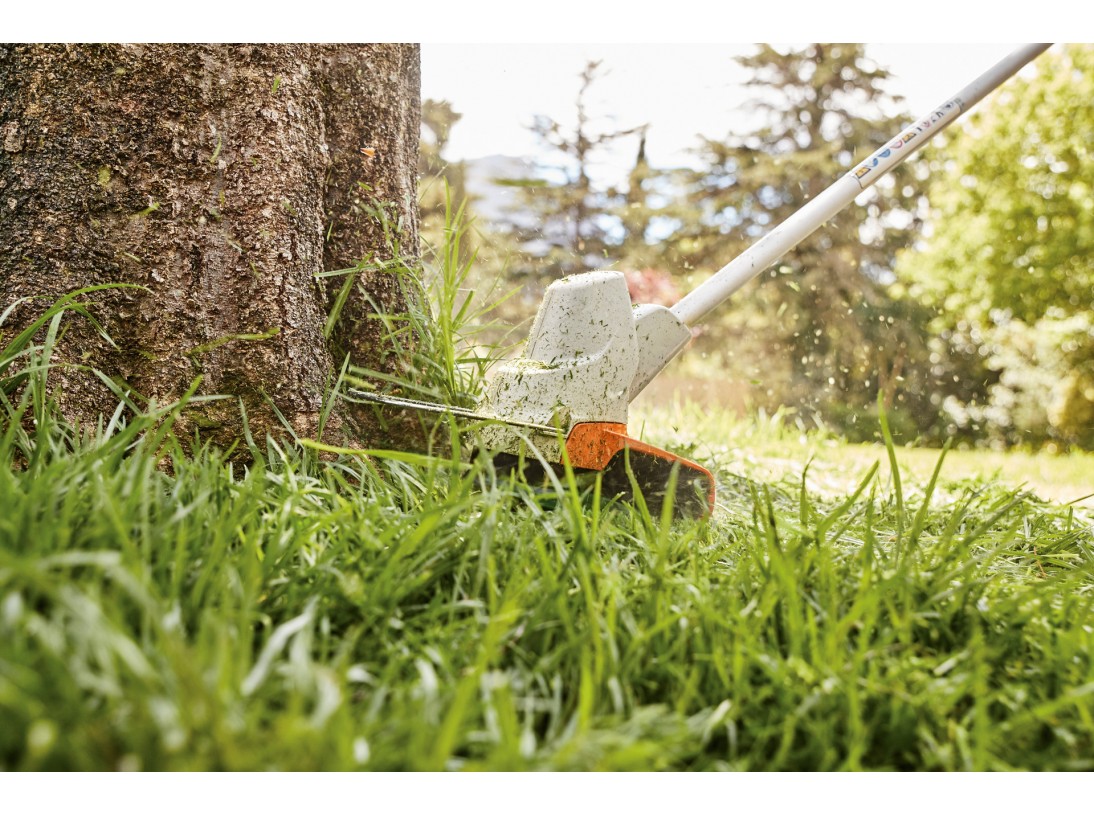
(644, 209)
(822, 330)
(571, 226)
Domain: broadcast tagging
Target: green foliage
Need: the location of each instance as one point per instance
(445, 341)
(459, 338)
(1009, 262)
(817, 109)
(1045, 386)
(1013, 206)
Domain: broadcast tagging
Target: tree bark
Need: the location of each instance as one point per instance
(221, 179)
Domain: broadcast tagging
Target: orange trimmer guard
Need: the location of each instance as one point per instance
(605, 446)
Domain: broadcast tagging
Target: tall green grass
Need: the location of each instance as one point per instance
(443, 344)
(162, 609)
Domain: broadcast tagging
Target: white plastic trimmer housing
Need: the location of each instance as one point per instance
(589, 353)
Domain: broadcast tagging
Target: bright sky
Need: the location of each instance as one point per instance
(680, 89)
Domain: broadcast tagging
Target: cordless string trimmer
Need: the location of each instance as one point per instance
(590, 352)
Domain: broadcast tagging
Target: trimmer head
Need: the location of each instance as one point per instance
(582, 365)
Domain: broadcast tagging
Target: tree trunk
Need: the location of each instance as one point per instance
(221, 179)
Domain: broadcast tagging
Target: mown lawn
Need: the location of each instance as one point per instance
(773, 450)
(389, 614)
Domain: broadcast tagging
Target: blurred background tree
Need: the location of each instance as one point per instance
(1008, 263)
(572, 225)
(824, 330)
(441, 180)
